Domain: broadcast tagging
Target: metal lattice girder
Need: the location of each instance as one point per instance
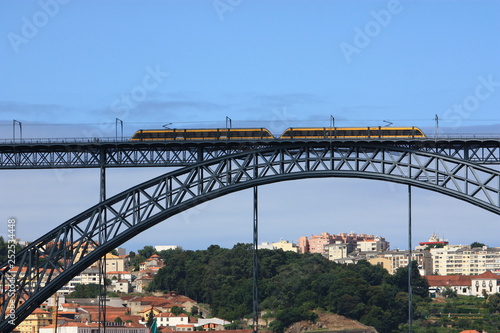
(147, 154)
(52, 260)
(478, 151)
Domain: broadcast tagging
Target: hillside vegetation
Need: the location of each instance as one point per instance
(290, 285)
(454, 314)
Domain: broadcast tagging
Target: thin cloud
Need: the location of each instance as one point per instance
(19, 110)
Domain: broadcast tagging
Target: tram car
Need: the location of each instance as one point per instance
(352, 133)
(202, 134)
(217, 134)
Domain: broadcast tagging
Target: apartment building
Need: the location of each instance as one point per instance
(464, 260)
(35, 321)
(391, 260)
(114, 263)
(320, 243)
(281, 245)
(339, 250)
(397, 259)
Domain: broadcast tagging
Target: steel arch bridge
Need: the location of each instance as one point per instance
(52, 260)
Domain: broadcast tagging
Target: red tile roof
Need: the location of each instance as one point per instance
(76, 324)
(170, 314)
(448, 280)
(488, 275)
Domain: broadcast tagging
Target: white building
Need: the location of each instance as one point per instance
(467, 285)
(171, 320)
(72, 327)
(167, 247)
(211, 324)
(391, 260)
(339, 250)
(281, 245)
(464, 260)
(376, 244)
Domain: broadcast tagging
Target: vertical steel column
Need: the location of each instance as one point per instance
(255, 260)
(410, 291)
(102, 239)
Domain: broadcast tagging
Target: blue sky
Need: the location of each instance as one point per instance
(70, 68)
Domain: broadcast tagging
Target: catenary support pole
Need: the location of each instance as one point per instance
(102, 239)
(410, 291)
(255, 260)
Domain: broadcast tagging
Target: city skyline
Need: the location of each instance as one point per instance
(71, 68)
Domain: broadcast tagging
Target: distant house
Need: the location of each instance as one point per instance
(138, 304)
(93, 327)
(461, 284)
(211, 324)
(119, 275)
(120, 286)
(153, 262)
(185, 327)
(171, 320)
(487, 282)
(142, 282)
(35, 320)
(147, 311)
(469, 285)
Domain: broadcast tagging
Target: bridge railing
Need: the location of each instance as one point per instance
(64, 140)
(127, 139)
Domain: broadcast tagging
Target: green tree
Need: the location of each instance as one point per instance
(176, 310)
(379, 319)
(118, 320)
(450, 293)
(493, 303)
(135, 261)
(194, 311)
(147, 251)
(420, 286)
(151, 318)
(85, 291)
(5, 246)
(285, 318)
(477, 244)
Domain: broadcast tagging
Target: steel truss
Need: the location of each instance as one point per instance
(147, 154)
(55, 258)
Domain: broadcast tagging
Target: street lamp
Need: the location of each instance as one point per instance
(437, 126)
(14, 122)
(116, 128)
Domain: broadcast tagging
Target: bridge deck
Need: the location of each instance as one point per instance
(71, 153)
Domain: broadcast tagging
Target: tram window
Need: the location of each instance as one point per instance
(362, 133)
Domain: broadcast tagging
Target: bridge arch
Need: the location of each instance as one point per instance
(53, 259)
